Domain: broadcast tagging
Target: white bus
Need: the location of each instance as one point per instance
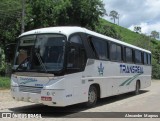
(61, 66)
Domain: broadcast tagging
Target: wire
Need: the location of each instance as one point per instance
(12, 9)
(10, 3)
(10, 14)
(3, 16)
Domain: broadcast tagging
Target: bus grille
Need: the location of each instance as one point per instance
(30, 89)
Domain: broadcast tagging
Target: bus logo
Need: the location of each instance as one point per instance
(27, 80)
(131, 69)
(100, 69)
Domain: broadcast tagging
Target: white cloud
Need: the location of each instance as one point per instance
(145, 13)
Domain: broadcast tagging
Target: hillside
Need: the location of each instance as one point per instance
(140, 40)
(127, 35)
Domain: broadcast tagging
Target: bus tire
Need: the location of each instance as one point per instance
(137, 88)
(92, 96)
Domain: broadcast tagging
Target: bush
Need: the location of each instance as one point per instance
(155, 69)
(2, 63)
(4, 82)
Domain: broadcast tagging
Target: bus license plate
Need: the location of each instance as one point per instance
(46, 98)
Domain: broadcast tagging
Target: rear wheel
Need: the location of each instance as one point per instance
(137, 88)
(92, 96)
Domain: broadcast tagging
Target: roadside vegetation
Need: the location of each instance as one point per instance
(4, 83)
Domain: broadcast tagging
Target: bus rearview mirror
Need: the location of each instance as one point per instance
(10, 52)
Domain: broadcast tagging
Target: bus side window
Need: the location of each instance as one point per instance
(116, 52)
(101, 48)
(113, 50)
(129, 55)
(76, 57)
(119, 53)
(138, 57)
(145, 58)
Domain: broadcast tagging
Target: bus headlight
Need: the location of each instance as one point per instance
(53, 93)
(49, 93)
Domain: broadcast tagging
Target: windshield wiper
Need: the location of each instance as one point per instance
(39, 59)
(23, 62)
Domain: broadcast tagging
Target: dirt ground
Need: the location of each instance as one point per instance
(147, 101)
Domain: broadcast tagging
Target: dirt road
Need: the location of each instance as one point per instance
(147, 101)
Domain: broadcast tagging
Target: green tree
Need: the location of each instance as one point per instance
(63, 12)
(155, 34)
(107, 30)
(2, 62)
(86, 13)
(114, 15)
(10, 17)
(143, 41)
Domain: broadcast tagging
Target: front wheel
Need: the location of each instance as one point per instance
(92, 96)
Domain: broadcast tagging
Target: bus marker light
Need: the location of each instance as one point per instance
(43, 98)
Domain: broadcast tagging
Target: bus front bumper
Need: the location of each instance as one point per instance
(46, 97)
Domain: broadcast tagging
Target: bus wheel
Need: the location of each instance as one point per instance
(92, 96)
(137, 87)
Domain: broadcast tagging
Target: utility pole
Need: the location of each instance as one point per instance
(23, 17)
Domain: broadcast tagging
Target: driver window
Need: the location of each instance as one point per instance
(76, 54)
(76, 39)
(73, 59)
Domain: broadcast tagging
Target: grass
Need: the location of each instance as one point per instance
(131, 37)
(4, 82)
(126, 34)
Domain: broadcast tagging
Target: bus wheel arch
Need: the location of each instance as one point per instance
(93, 95)
(137, 87)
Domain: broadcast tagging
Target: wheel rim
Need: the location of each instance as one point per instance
(92, 96)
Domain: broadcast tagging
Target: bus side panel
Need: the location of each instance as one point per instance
(125, 80)
(145, 80)
(76, 89)
(108, 76)
(112, 81)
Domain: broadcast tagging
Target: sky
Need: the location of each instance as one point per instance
(143, 13)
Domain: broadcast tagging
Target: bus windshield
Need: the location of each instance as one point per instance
(40, 53)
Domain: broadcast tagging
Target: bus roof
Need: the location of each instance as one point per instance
(68, 30)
